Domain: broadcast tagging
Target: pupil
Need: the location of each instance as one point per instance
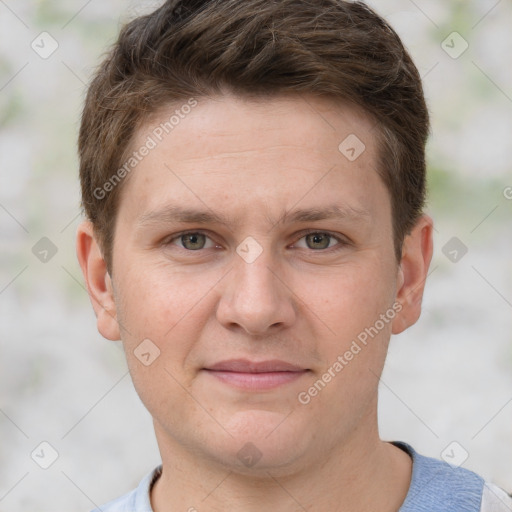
(193, 240)
(319, 239)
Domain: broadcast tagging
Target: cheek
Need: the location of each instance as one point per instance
(163, 315)
(158, 300)
(351, 298)
(351, 303)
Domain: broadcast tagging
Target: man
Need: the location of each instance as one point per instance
(253, 175)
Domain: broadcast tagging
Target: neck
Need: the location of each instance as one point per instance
(363, 474)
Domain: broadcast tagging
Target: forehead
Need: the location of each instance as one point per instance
(275, 149)
(312, 122)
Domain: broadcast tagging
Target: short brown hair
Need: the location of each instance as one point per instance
(255, 48)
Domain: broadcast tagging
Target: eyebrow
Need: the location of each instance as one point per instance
(173, 214)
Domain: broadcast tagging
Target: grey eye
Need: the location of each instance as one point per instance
(193, 241)
(318, 240)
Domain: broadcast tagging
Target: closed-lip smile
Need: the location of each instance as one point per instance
(255, 375)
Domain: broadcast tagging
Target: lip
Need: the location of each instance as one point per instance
(247, 366)
(255, 375)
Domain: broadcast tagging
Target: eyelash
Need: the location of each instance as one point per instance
(340, 245)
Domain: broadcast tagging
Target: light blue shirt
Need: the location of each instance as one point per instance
(436, 486)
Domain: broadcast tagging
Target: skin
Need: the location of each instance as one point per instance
(299, 302)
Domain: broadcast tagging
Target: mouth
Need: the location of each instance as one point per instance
(256, 376)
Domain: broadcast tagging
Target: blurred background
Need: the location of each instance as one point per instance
(73, 433)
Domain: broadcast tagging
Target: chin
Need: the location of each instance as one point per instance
(263, 441)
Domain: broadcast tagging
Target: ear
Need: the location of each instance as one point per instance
(416, 256)
(97, 280)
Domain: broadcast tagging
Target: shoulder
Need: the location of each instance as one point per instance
(437, 486)
(495, 499)
(135, 501)
(121, 504)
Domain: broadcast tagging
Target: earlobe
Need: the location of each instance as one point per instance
(97, 280)
(416, 257)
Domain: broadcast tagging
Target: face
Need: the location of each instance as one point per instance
(255, 285)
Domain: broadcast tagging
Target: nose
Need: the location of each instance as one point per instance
(256, 297)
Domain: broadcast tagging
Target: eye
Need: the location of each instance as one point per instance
(318, 240)
(192, 241)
